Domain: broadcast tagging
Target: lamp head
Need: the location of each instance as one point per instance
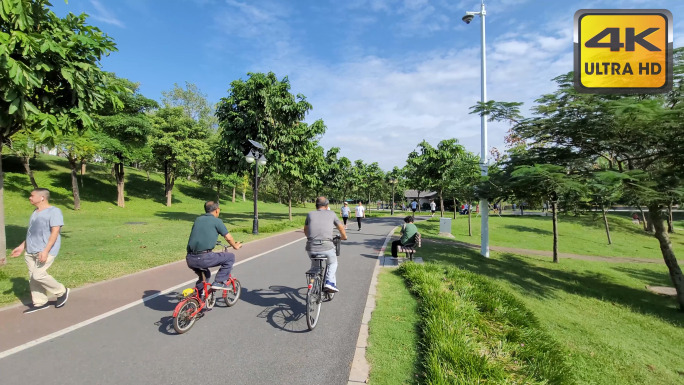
(467, 18)
(250, 157)
(262, 161)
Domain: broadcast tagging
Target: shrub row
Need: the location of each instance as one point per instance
(473, 331)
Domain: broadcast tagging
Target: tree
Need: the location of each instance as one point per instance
(300, 159)
(193, 102)
(463, 177)
(49, 73)
(23, 145)
(545, 182)
(176, 141)
(635, 134)
(416, 170)
(261, 109)
(77, 149)
(437, 164)
(123, 130)
(606, 188)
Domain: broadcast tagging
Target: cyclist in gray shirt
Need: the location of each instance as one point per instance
(318, 229)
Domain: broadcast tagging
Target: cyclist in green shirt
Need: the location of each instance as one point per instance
(200, 255)
(408, 233)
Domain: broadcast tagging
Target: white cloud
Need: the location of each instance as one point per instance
(105, 15)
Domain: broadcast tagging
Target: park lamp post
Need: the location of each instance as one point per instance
(256, 156)
(393, 182)
(484, 205)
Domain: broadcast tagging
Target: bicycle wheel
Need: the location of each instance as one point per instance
(231, 296)
(313, 303)
(185, 318)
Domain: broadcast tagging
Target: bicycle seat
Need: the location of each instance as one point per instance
(319, 257)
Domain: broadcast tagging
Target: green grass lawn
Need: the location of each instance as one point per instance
(392, 349)
(612, 330)
(583, 235)
(103, 241)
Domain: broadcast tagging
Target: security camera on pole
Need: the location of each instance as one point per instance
(484, 205)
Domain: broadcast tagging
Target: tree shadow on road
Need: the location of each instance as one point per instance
(284, 307)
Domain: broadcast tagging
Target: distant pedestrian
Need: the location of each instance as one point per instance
(345, 212)
(414, 207)
(41, 248)
(433, 208)
(360, 213)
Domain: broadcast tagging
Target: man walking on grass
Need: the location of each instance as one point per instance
(41, 248)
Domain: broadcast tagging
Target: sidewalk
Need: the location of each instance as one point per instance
(89, 302)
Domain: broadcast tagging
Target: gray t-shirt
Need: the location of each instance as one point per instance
(321, 223)
(39, 227)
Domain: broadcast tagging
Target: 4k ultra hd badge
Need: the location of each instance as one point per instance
(620, 51)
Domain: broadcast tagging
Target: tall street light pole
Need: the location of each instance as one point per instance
(256, 156)
(393, 181)
(484, 205)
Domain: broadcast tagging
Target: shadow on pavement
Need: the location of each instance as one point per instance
(284, 307)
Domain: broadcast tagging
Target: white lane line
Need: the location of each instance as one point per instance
(87, 322)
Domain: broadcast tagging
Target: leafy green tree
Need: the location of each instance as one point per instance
(545, 182)
(605, 189)
(300, 160)
(463, 177)
(123, 130)
(23, 145)
(49, 74)
(261, 109)
(636, 135)
(193, 102)
(416, 169)
(176, 141)
(77, 149)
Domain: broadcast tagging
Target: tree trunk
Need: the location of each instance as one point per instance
(233, 194)
(289, 202)
(218, 192)
(554, 215)
(243, 195)
(148, 175)
(3, 239)
(455, 208)
(470, 229)
(650, 228)
(521, 209)
(83, 171)
(670, 225)
(29, 172)
(605, 222)
(668, 254)
(369, 203)
(441, 204)
(169, 180)
(643, 218)
(119, 175)
(74, 183)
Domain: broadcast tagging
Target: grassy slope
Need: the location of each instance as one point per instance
(98, 241)
(577, 235)
(614, 330)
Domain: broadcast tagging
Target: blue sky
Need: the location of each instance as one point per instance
(382, 74)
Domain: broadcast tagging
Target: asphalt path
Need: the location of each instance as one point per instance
(263, 339)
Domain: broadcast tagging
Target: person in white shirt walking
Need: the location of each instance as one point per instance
(345, 212)
(360, 213)
(433, 208)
